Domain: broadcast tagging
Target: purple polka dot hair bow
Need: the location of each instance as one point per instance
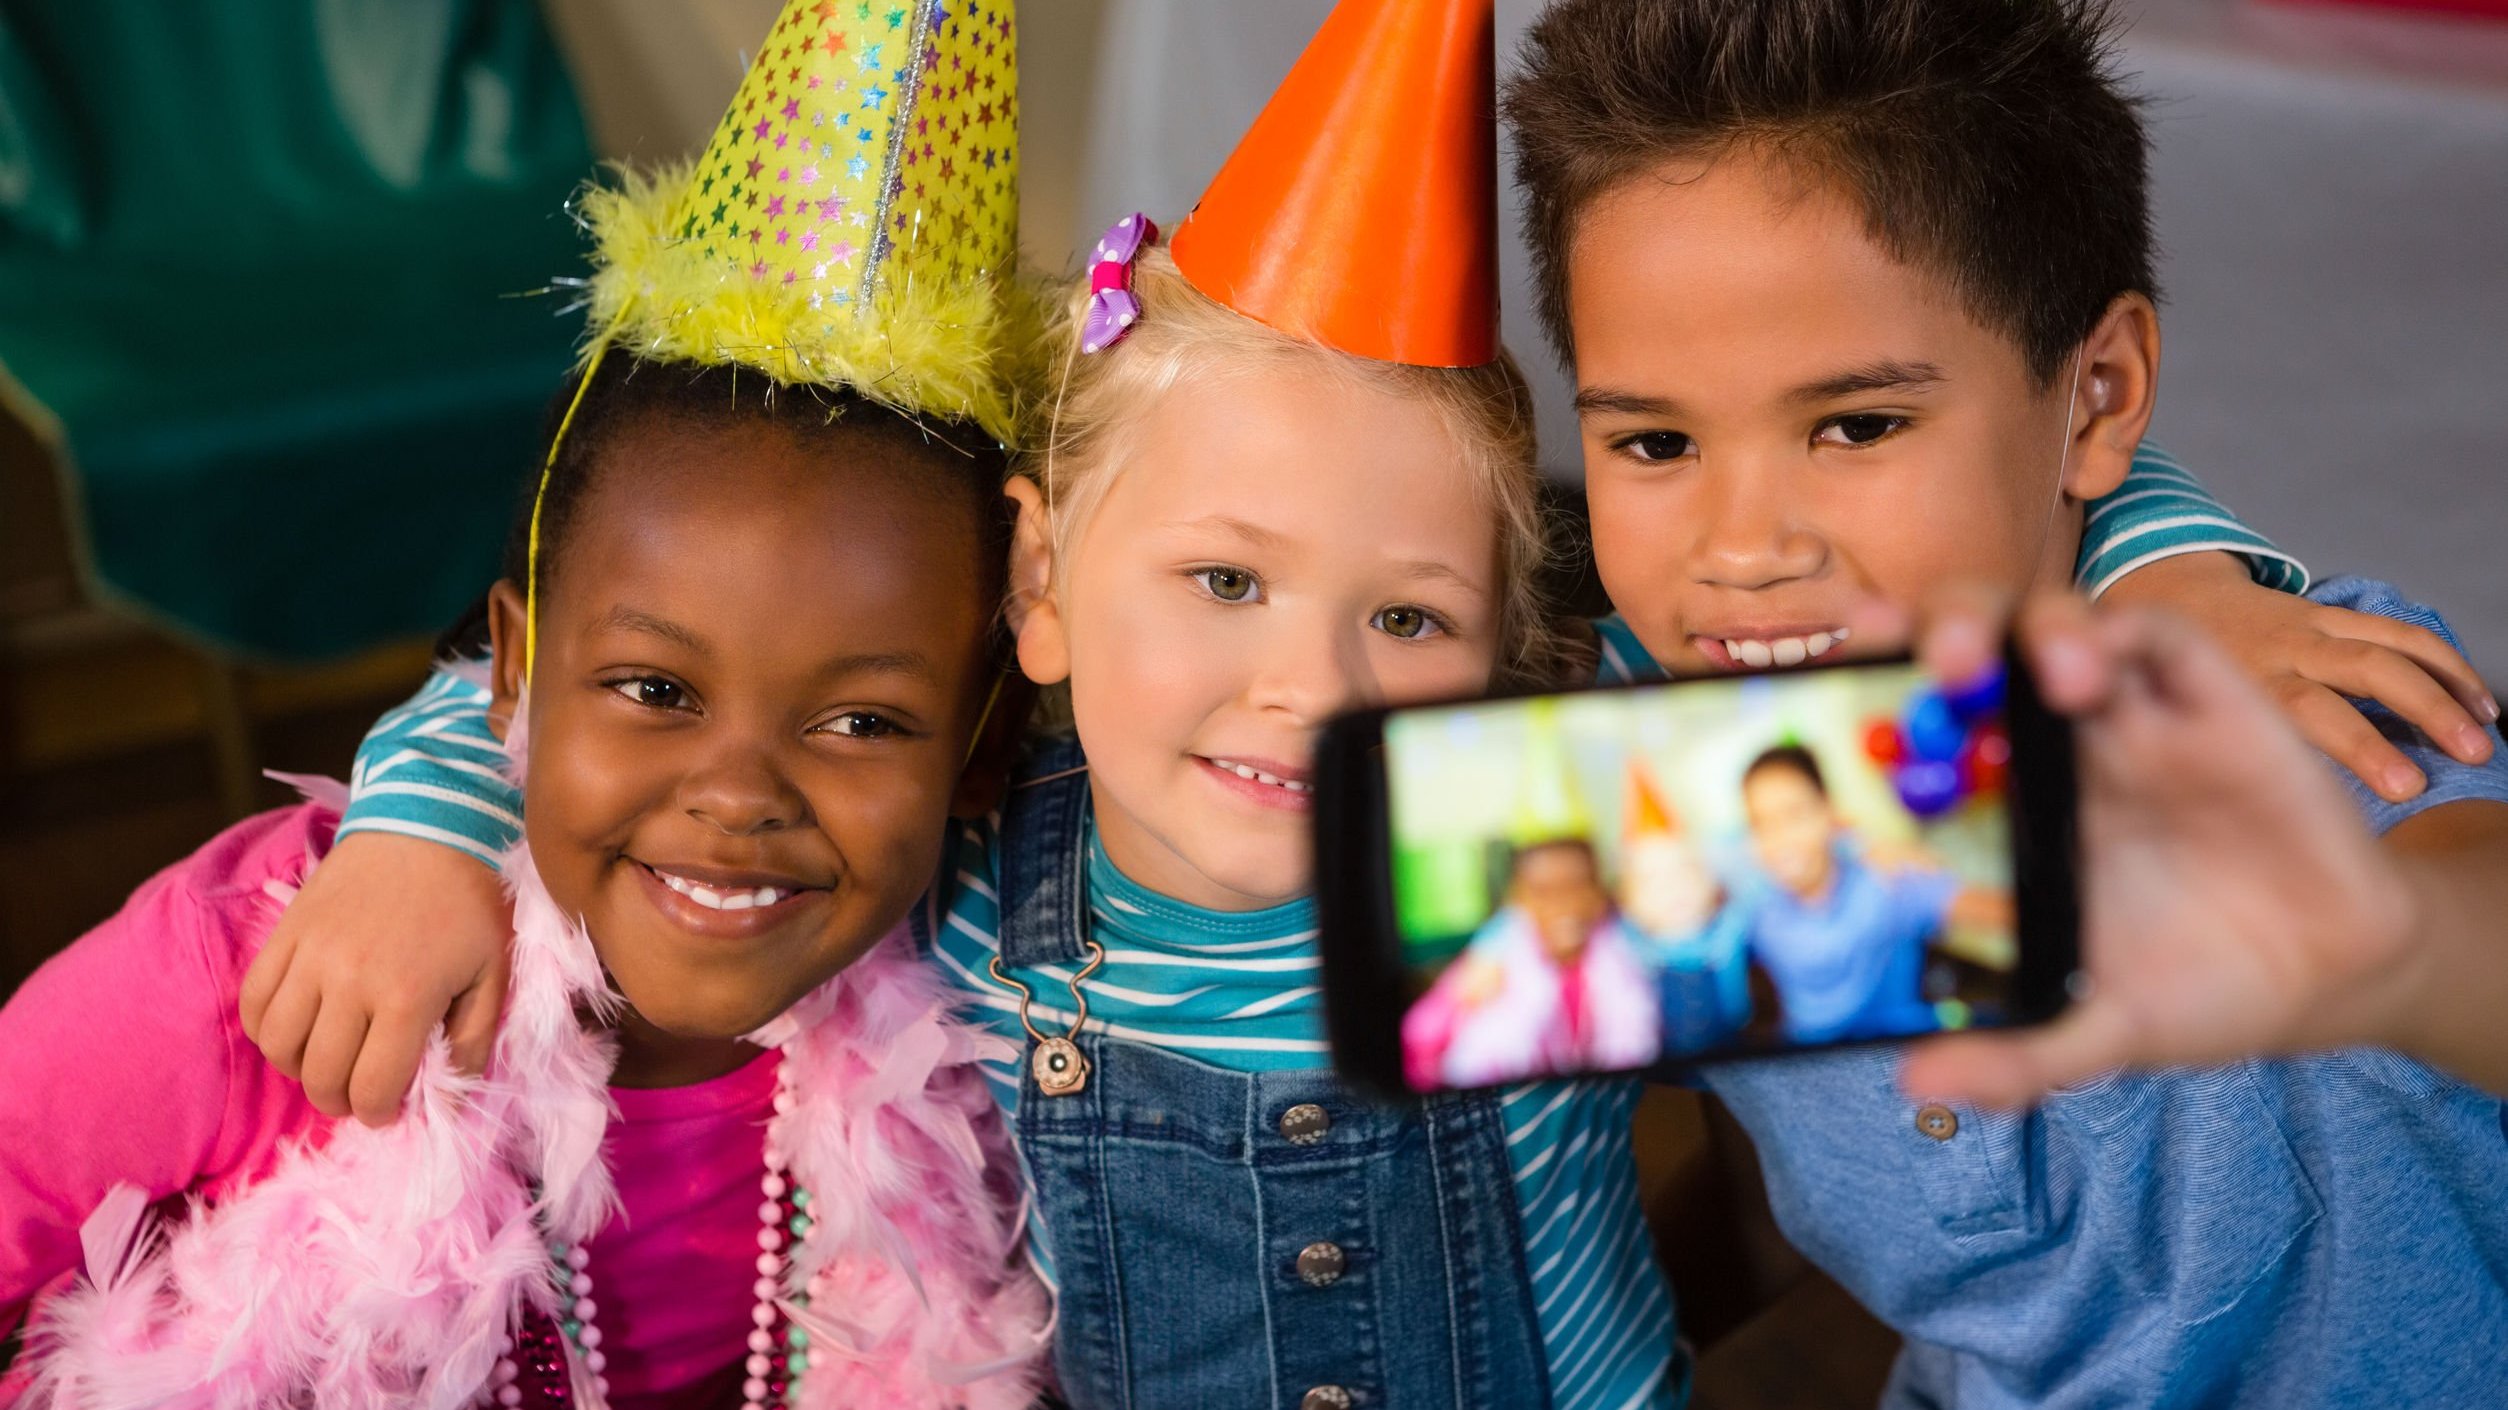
(1112, 308)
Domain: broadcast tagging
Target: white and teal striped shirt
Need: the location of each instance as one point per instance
(2161, 511)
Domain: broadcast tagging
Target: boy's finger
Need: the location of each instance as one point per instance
(1994, 1071)
(2014, 1069)
(330, 1056)
(1961, 629)
(1876, 627)
(2336, 727)
(1960, 645)
(2072, 664)
(386, 1065)
(2368, 670)
(2427, 649)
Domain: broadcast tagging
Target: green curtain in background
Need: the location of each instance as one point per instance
(273, 281)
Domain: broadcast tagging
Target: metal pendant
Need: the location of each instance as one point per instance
(1060, 1067)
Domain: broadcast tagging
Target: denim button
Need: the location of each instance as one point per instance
(1304, 1124)
(1320, 1263)
(1937, 1121)
(1326, 1398)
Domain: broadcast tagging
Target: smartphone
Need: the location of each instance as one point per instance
(1623, 877)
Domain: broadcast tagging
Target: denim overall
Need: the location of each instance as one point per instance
(1230, 1239)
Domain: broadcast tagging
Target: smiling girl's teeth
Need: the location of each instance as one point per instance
(1783, 650)
(1258, 776)
(716, 900)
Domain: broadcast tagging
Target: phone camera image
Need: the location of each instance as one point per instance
(1604, 881)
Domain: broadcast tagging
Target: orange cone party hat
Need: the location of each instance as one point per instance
(1648, 815)
(1360, 210)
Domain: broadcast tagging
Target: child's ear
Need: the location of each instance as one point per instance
(507, 618)
(1035, 617)
(2116, 388)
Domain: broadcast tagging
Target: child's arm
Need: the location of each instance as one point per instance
(2162, 540)
(123, 1066)
(404, 925)
(2235, 903)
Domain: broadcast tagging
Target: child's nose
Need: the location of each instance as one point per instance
(740, 791)
(1751, 532)
(1312, 677)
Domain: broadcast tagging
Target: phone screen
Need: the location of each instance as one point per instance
(1605, 880)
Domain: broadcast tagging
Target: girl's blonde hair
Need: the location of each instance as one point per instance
(1183, 334)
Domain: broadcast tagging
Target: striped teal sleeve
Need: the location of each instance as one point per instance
(432, 770)
(2161, 511)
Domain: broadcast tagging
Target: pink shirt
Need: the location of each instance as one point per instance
(122, 1060)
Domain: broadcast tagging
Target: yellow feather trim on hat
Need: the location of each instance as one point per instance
(964, 349)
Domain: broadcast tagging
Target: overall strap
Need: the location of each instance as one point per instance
(1044, 858)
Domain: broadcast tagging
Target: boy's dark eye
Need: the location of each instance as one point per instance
(1657, 445)
(1226, 584)
(1861, 429)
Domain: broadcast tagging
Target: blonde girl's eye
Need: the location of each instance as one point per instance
(1409, 623)
(1860, 429)
(1228, 584)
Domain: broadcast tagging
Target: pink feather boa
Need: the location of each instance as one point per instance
(387, 1267)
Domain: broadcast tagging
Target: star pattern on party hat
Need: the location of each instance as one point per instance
(853, 221)
(870, 142)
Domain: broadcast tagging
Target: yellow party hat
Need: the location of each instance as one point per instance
(1549, 807)
(853, 222)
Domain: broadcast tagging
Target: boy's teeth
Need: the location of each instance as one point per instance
(1783, 650)
(714, 900)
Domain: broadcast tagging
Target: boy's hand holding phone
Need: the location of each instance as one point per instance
(2234, 905)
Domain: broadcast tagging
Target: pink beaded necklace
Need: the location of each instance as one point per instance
(532, 1369)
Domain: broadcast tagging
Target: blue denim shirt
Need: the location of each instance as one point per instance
(2330, 1231)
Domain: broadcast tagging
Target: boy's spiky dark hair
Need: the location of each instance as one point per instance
(1988, 141)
